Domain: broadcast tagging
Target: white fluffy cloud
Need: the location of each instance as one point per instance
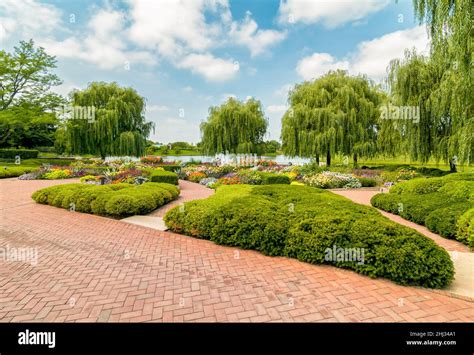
(319, 64)
(104, 45)
(212, 68)
(330, 13)
(183, 32)
(175, 27)
(371, 57)
(27, 18)
(247, 33)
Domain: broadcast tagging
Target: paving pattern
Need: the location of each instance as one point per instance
(96, 269)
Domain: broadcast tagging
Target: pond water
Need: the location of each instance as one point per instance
(280, 159)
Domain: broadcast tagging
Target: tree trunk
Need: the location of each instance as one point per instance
(317, 159)
(355, 160)
(328, 158)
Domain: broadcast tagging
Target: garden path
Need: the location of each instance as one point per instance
(462, 256)
(97, 269)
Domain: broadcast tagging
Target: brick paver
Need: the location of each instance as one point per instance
(93, 268)
(189, 191)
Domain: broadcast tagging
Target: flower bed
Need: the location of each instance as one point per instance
(332, 180)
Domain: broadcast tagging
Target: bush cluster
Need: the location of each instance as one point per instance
(14, 171)
(164, 176)
(439, 203)
(304, 223)
(116, 200)
(23, 153)
(272, 178)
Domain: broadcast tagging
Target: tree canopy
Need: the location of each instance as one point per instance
(234, 127)
(335, 114)
(25, 77)
(440, 85)
(27, 105)
(26, 126)
(117, 128)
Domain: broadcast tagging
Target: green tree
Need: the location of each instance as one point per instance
(234, 127)
(415, 82)
(335, 114)
(27, 126)
(450, 25)
(25, 77)
(271, 147)
(118, 128)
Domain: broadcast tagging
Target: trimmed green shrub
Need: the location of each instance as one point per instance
(117, 200)
(13, 171)
(458, 189)
(433, 172)
(386, 202)
(306, 223)
(444, 220)
(272, 178)
(438, 203)
(465, 228)
(418, 186)
(164, 176)
(367, 182)
(23, 153)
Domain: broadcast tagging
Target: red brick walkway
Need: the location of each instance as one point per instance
(189, 191)
(92, 268)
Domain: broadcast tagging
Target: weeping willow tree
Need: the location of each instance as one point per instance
(451, 100)
(234, 127)
(114, 122)
(335, 114)
(415, 82)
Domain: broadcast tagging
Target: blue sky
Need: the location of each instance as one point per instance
(184, 56)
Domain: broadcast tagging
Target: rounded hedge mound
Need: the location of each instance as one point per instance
(437, 203)
(116, 200)
(315, 226)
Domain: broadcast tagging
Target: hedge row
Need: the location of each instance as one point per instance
(272, 178)
(13, 171)
(305, 223)
(442, 204)
(164, 176)
(23, 153)
(116, 200)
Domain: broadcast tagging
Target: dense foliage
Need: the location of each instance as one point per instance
(304, 222)
(27, 103)
(14, 171)
(116, 200)
(440, 85)
(438, 203)
(164, 176)
(335, 114)
(234, 127)
(117, 128)
(22, 153)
